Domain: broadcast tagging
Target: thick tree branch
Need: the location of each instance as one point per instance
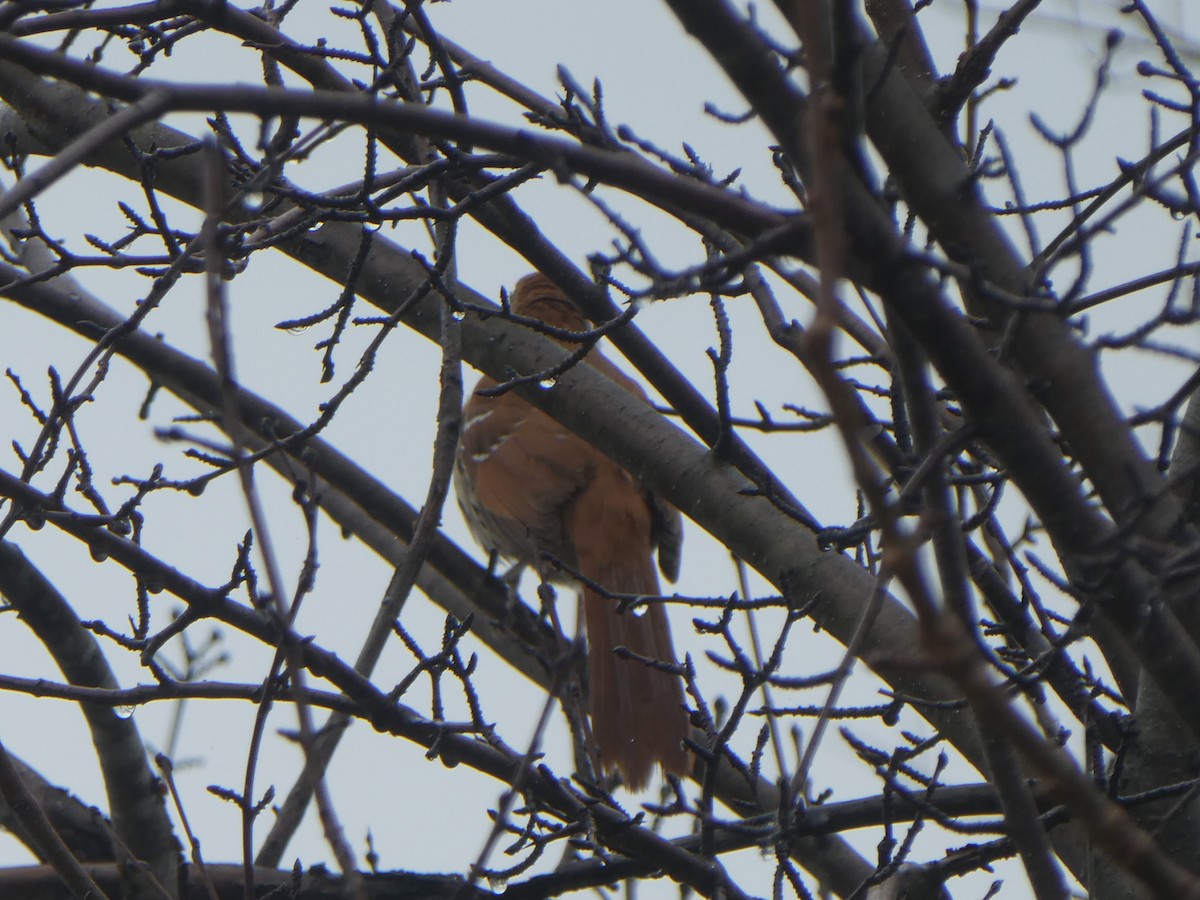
(135, 802)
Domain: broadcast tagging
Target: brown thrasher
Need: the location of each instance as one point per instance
(527, 486)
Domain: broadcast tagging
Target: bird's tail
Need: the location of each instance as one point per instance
(638, 715)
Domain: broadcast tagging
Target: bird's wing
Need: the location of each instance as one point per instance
(526, 468)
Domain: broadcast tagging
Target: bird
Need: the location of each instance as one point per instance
(529, 486)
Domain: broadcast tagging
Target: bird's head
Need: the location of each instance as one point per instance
(537, 297)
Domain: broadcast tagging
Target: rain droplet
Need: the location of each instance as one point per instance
(546, 383)
(153, 584)
(123, 712)
(99, 552)
(254, 200)
(458, 315)
(196, 488)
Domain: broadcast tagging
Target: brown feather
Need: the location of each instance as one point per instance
(638, 716)
(528, 486)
